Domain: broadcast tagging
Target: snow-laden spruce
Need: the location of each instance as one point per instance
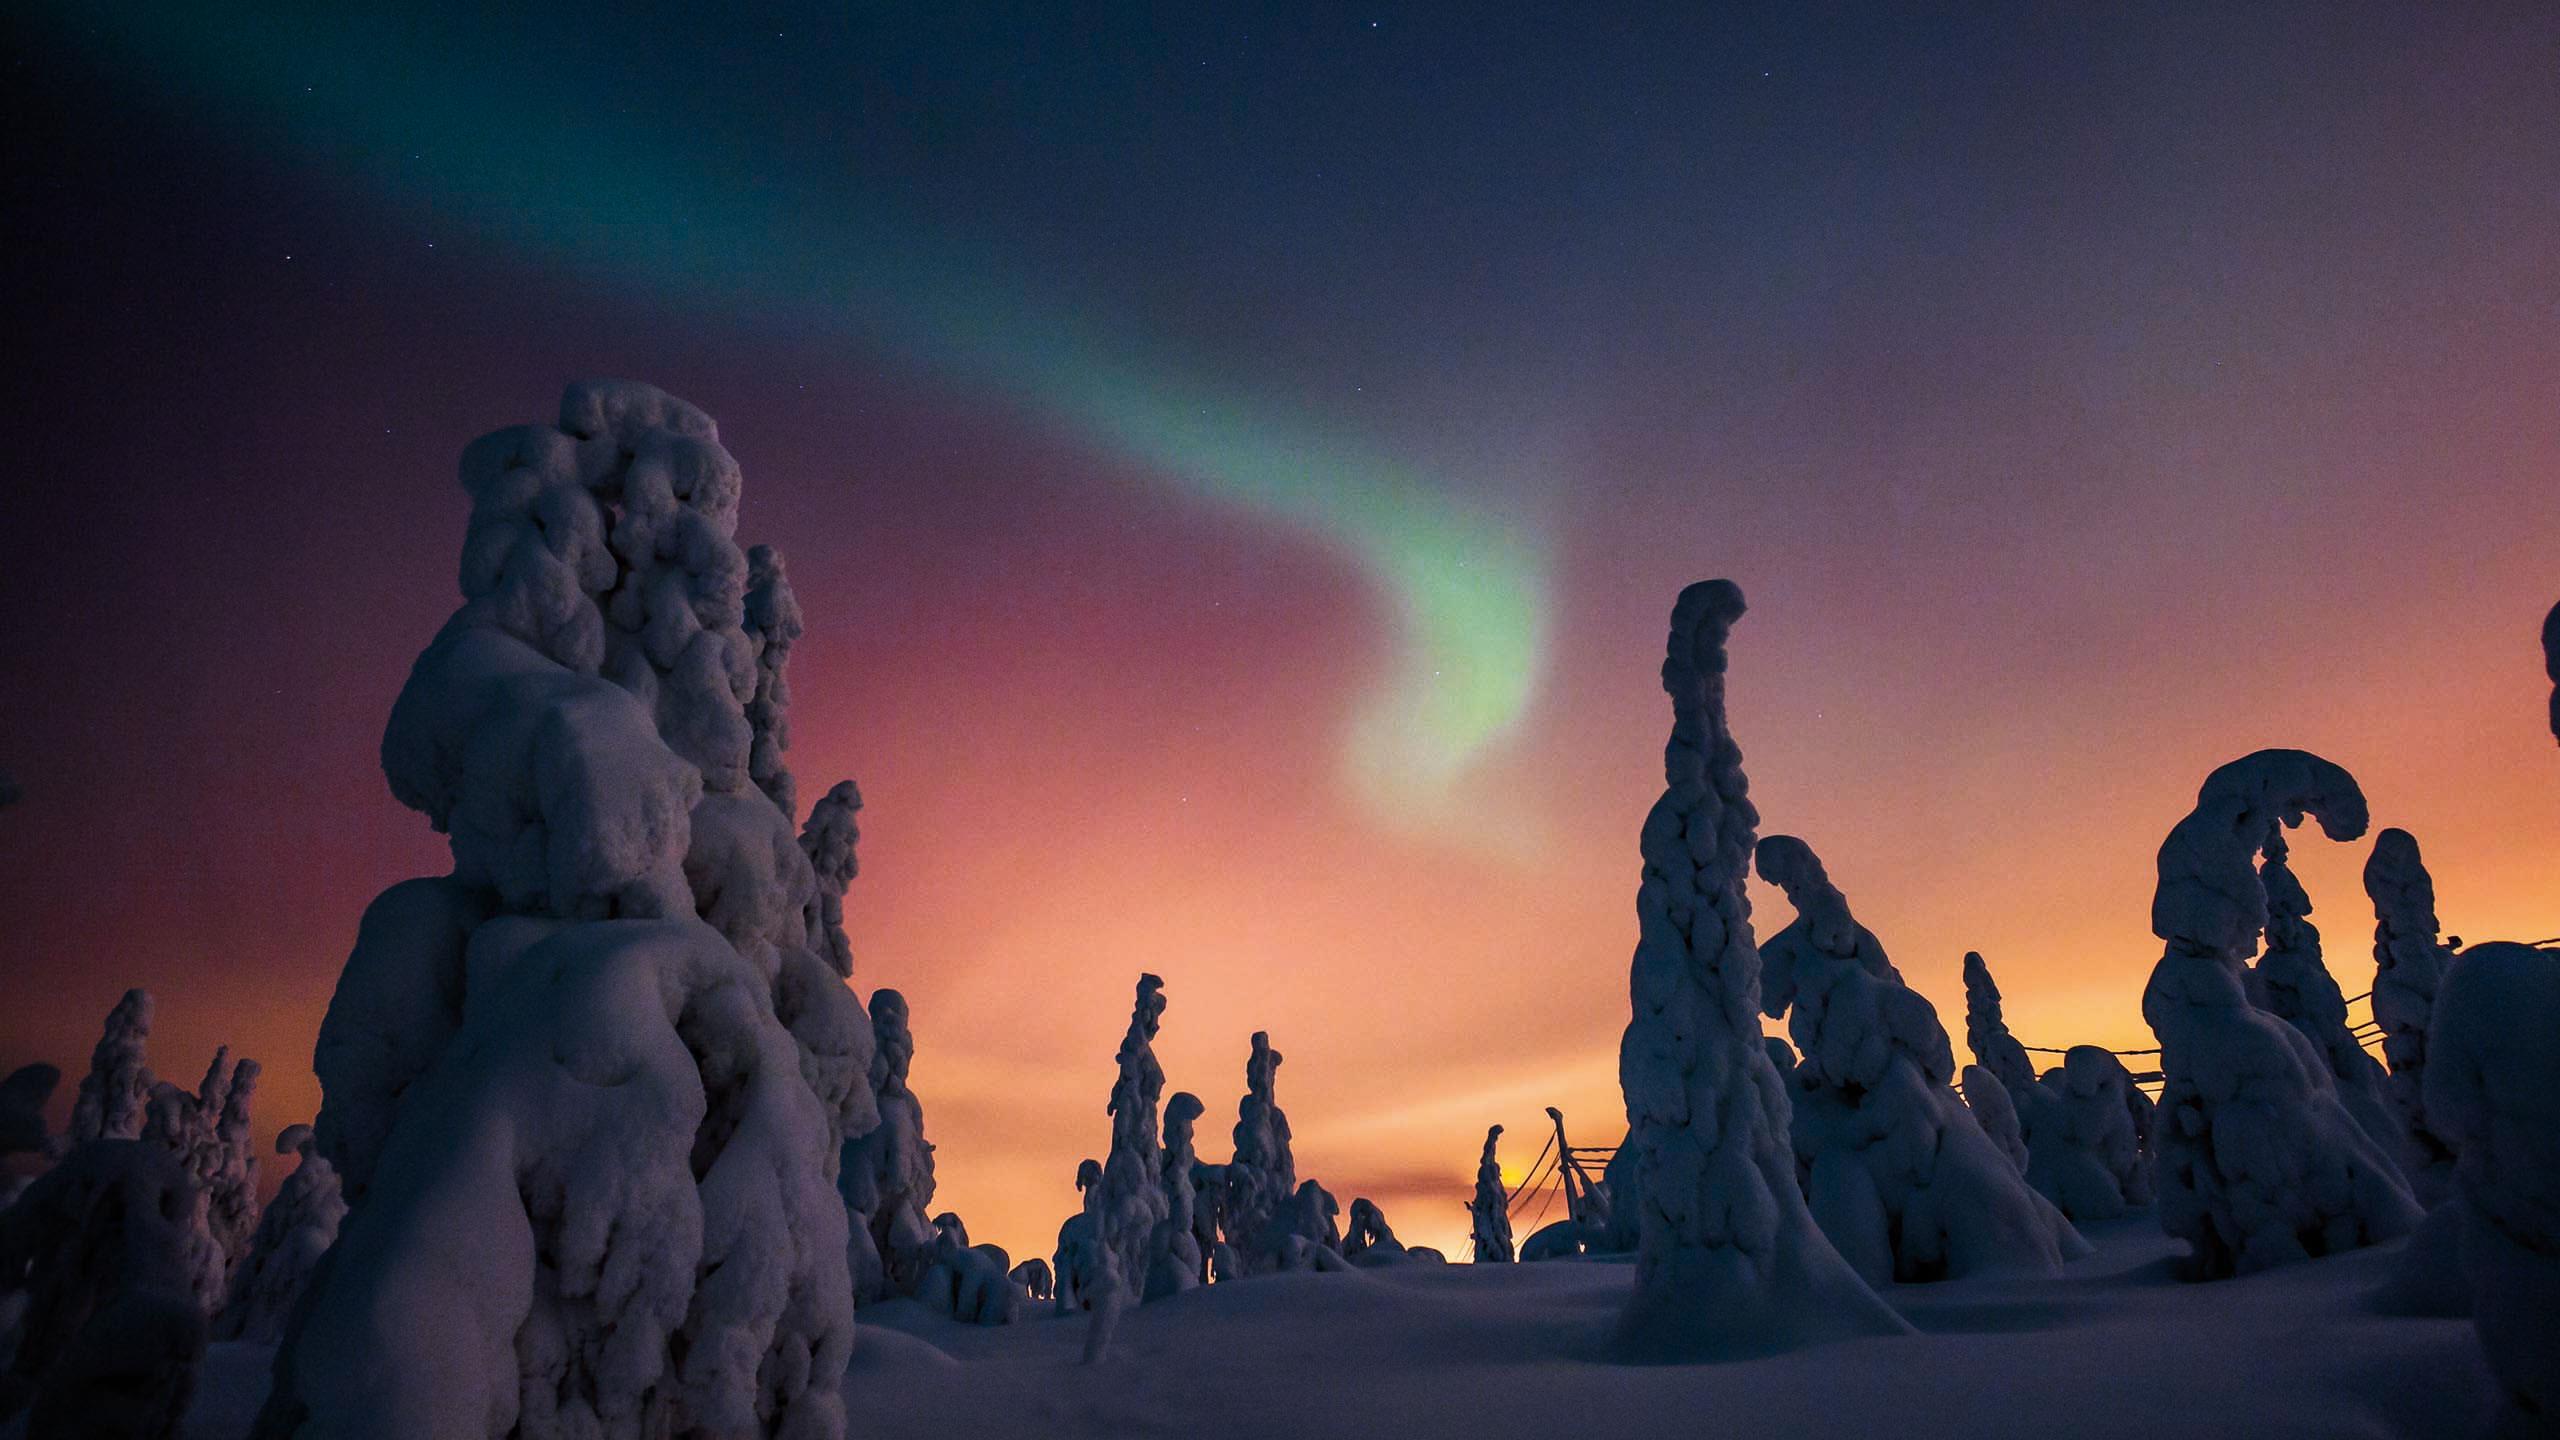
(295, 1230)
(115, 1096)
(972, 1284)
(1033, 1277)
(1262, 1178)
(98, 1258)
(1178, 1257)
(2083, 1123)
(1905, 1182)
(1308, 1234)
(1986, 1031)
(1134, 1203)
(208, 1133)
(2294, 984)
(1082, 1261)
(2085, 1151)
(2259, 1161)
(2409, 964)
(1368, 1239)
(585, 1094)
(205, 1131)
(1490, 1213)
(1729, 1262)
(1995, 1112)
(887, 1173)
(2493, 1092)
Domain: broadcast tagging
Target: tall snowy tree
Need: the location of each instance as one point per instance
(586, 1092)
(115, 1096)
(1134, 1203)
(1262, 1179)
(1986, 1031)
(1729, 1261)
(1179, 1257)
(1490, 1214)
(2260, 1163)
(887, 1173)
(1904, 1181)
(2409, 964)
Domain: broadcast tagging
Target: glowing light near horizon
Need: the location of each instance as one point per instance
(1466, 584)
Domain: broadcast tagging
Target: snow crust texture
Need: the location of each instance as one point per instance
(2260, 1161)
(1906, 1183)
(585, 1094)
(1729, 1261)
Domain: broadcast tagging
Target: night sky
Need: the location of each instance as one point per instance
(1236, 463)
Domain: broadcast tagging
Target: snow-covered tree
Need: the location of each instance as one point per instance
(1904, 1181)
(2409, 964)
(1178, 1259)
(887, 1174)
(970, 1283)
(1134, 1203)
(2493, 1092)
(1081, 1256)
(586, 1092)
(2293, 983)
(1262, 1179)
(2084, 1151)
(208, 1132)
(2259, 1161)
(115, 1096)
(1729, 1261)
(1992, 1109)
(1035, 1279)
(96, 1256)
(1370, 1240)
(1308, 1233)
(297, 1228)
(1491, 1212)
(1986, 1032)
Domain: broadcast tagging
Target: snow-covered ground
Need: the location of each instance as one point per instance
(2116, 1346)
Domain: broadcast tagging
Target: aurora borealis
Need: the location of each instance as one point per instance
(656, 207)
(1236, 467)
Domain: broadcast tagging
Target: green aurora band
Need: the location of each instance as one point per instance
(580, 179)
